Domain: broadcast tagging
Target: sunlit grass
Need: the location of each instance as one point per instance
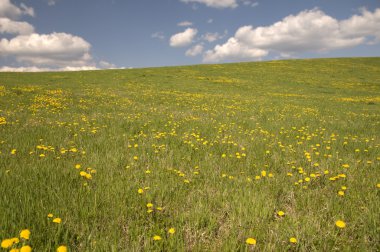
(269, 156)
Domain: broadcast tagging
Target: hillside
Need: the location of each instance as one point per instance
(215, 154)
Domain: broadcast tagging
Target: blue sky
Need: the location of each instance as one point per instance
(89, 34)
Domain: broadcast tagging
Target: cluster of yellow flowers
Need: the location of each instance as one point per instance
(2, 120)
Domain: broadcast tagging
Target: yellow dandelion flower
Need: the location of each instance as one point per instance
(263, 173)
(77, 166)
(50, 215)
(149, 211)
(140, 191)
(280, 213)
(83, 173)
(293, 240)
(378, 185)
(157, 238)
(57, 220)
(15, 240)
(171, 231)
(135, 158)
(250, 241)
(186, 181)
(88, 176)
(340, 224)
(7, 243)
(26, 248)
(25, 234)
(149, 205)
(345, 165)
(62, 249)
(341, 193)
(14, 250)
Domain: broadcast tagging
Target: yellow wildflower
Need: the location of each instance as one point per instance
(26, 248)
(7, 243)
(157, 238)
(25, 234)
(293, 240)
(340, 224)
(171, 231)
(62, 249)
(250, 241)
(280, 213)
(57, 220)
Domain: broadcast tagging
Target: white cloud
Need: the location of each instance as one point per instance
(45, 69)
(195, 50)
(14, 27)
(308, 31)
(9, 10)
(158, 35)
(233, 50)
(185, 23)
(184, 38)
(55, 49)
(106, 65)
(215, 3)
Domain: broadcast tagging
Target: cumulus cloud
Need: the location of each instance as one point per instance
(185, 23)
(195, 50)
(215, 3)
(15, 27)
(9, 10)
(41, 52)
(45, 69)
(184, 38)
(308, 31)
(57, 49)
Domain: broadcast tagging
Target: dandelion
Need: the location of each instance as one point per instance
(293, 240)
(57, 220)
(14, 250)
(62, 249)
(157, 238)
(280, 213)
(378, 185)
(77, 166)
(149, 205)
(13, 152)
(83, 173)
(50, 215)
(171, 231)
(250, 241)
(135, 158)
(340, 224)
(26, 248)
(345, 165)
(140, 191)
(25, 234)
(7, 243)
(341, 193)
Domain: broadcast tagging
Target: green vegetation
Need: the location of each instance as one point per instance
(217, 150)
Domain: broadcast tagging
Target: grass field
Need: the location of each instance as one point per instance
(196, 158)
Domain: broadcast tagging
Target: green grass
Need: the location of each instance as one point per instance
(217, 127)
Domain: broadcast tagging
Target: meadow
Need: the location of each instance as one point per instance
(266, 156)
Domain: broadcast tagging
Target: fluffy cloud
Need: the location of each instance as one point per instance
(308, 31)
(195, 50)
(185, 23)
(215, 3)
(46, 69)
(55, 49)
(15, 27)
(184, 38)
(41, 52)
(9, 10)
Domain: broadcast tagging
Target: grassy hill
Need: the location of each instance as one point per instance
(215, 154)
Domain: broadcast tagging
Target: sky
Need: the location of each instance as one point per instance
(44, 35)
